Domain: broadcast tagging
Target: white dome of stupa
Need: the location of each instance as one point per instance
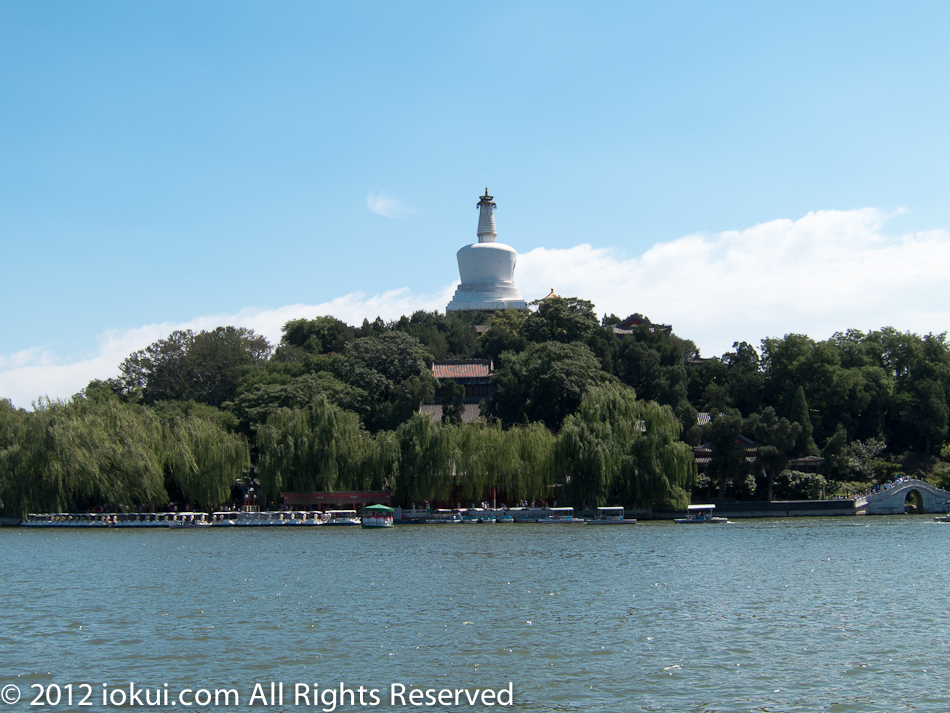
(487, 269)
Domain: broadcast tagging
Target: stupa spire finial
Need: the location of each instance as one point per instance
(486, 219)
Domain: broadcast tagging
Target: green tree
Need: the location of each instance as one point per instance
(561, 319)
(446, 336)
(864, 456)
(317, 448)
(255, 402)
(775, 437)
(805, 444)
(504, 334)
(395, 370)
(205, 367)
(203, 461)
(453, 402)
(617, 449)
(427, 458)
(836, 456)
(544, 383)
(728, 464)
(322, 335)
(794, 485)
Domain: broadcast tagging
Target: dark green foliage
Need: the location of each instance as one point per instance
(735, 380)
(504, 334)
(445, 336)
(804, 444)
(653, 363)
(544, 383)
(883, 385)
(776, 439)
(322, 335)
(728, 464)
(561, 319)
(205, 367)
(453, 402)
(837, 456)
(256, 402)
(395, 371)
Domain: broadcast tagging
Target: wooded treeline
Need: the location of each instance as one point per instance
(580, 413)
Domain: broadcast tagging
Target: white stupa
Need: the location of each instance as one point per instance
(487, 269)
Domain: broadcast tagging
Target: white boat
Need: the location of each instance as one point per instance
(557, 516)
(188, 519)
(700, 515)
(443, 517)
(312, 518)
(224, 518)
(478, 515)
(942, 518)
(611, 515)
(341, 518)
(527, 514)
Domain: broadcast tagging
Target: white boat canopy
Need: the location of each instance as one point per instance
(701, 507)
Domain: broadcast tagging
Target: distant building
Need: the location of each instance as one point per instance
(631, 323)
(474, 375)
(486, 269)
(340, 500)
(703, 453)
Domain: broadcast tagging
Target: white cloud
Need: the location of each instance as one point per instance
(33, 373)
(826, 272)
(386, 206)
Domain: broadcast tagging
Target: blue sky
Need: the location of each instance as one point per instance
(740, 170)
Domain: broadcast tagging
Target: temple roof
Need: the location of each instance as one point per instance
(462, 369)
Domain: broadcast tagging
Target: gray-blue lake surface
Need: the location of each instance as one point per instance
(836, 614)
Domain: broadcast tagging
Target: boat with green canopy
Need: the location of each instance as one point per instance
(377, 516)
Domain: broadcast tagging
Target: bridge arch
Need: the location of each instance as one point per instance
(894, 498)
(914, 502)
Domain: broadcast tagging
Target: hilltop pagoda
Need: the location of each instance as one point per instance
(486, 269)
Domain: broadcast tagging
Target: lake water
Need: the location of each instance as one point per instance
(835, 614)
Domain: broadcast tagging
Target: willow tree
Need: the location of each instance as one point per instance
(478, 449)
(108, 453)
(78, 455)
(525, 462)
(376, 464)
(22, 462)
(318, 448)
(619, 449)
(203, 460)
(427, 460)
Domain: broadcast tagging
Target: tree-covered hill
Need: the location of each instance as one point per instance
(581, 412)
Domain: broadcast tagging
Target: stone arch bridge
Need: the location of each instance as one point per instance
(895, 499)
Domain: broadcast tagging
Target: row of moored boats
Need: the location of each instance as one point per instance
(371, 517)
